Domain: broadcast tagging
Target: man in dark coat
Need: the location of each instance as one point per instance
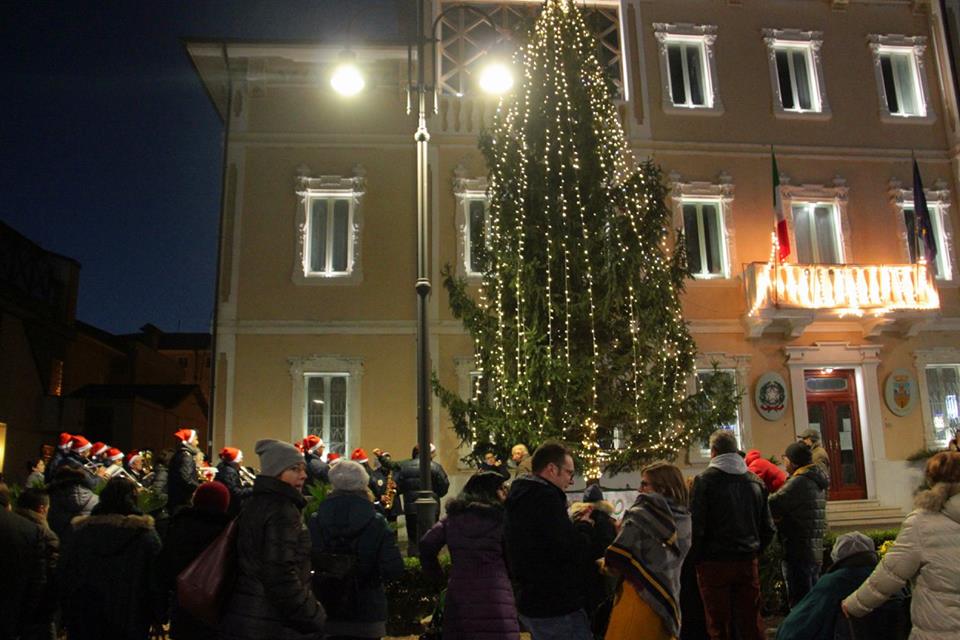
(183, 479)
(190, 532)
(69, 497)
(731, 528)
(800, 510)
(272, 597)
(317, 469)
(408, 484)
(384, 476)
(492, 463)
(34, 504)
(228, 474)
(22, 571)
(546, 550)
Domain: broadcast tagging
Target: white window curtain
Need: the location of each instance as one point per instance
(703, 233)
(816, 231)
(793, 73)
(329, 235)
(687, 87)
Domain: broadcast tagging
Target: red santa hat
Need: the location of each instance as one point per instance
(185, 435)
(311, 443)
(99, 448)
(133, 456)
(359, 455)
(298, 445)
(333, 457)
(65, 441)
(114, 454)
(79, 444)
(231, 454)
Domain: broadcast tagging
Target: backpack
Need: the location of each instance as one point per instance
(336, 575)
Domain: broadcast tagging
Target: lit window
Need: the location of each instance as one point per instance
(817, 229)
(943, 393)
(475, 235)
(734, 426)
(704, 235)
(899, 71)
(796, 72)
(915, 244)
(328, 230)
(795, 79)
(688, 68)
(326, 409)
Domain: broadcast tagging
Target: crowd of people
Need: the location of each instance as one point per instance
(82, 556)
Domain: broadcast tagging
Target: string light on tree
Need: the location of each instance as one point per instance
(577, 324)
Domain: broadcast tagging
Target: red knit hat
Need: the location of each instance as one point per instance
(99, 448)
(79, 443)
(114, 454)
(132, 457)
(185, 435)
(311, 443)
(212, 496)
(230, 454)
(359, 455)
(65, 441)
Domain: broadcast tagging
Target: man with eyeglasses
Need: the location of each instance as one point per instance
(548, 553)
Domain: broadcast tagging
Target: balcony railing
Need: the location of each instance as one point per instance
(820, 291)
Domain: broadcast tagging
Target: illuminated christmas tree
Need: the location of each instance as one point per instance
(578, 329)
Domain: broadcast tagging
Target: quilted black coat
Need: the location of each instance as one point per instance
(800, 511)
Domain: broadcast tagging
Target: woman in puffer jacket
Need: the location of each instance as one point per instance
(479, 604)
(272, 598)
(926, 552)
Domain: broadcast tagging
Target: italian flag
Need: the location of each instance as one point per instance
(783, 238)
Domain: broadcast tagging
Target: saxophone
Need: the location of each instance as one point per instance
(391, 493)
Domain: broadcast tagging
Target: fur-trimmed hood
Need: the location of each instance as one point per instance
(943, 496)
(600, 505)
(457, 505)
(114, 520)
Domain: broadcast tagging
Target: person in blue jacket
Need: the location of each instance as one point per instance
(815, 616)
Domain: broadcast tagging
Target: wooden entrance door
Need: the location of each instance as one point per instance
(832, 410)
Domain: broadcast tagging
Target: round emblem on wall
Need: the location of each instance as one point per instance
(900, 392)
(771, 396)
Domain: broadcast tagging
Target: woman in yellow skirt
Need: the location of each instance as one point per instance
(648, 554)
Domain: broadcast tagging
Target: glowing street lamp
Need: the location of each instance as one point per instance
(495, 78)
(347, 80)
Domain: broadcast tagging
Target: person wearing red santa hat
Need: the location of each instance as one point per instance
(59, 456)
(97, 451)
(317, 469)
(133, 463)
(183, 479)
(229, 474)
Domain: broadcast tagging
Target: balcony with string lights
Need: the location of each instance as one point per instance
(788, 298)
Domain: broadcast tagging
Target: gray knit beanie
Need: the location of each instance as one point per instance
(348, 475)
(276, 457)
(850, 543)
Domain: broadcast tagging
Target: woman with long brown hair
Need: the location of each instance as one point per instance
(648, 554)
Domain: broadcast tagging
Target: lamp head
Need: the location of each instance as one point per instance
(496, 77)
(347, 80)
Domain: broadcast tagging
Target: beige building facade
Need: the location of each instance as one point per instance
(316, 306)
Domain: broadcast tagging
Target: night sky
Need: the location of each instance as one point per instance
(111, 150)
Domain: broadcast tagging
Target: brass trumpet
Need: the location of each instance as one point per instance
(247, 477)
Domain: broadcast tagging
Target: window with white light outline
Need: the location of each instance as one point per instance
(476, 207)
(941, 266)
(326, 413)
(689, 72)
(328, 243)
(796, 77)
(705, 237)
(901, 82)
(816, 227)
(733, 426)
(943, 395)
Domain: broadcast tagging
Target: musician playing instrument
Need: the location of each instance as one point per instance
(183, 479)
(134, 465)
(313, 455)
(238, 480)
(383, 472)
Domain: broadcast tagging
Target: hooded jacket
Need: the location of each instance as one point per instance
(546, 552)
(731, 520)
(69, 497)
(272, 598)
(800, 510)
(925, 552)
(106, 577)
(479, 604)
(773, 476)
(351, 516)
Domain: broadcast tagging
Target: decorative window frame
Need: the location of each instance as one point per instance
(739, 364)
(310, 188)
(922, 358)
(665, 33)
(917, 45)
(796, 39)
(938, 201)
(837, 194)
(466, 190)
(300, 367)
(720, 192)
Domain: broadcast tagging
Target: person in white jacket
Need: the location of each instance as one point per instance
(926, 552)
